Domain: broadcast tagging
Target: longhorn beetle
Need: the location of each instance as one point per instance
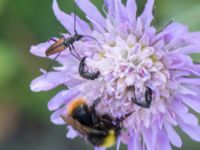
(63, 43)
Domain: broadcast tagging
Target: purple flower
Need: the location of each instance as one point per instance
(133, 56)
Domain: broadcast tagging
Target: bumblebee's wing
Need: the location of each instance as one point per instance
(82, 129)
(58, 46)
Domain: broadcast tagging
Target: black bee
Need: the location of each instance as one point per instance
(63, 43)
(148, 99)
(85, 74)
(99, 130)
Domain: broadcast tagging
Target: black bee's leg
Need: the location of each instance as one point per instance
(93, 110)
(148, 99)
(87, 75)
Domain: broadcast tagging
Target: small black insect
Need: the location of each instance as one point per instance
(99, 130)
(148, 99)
(85, 74)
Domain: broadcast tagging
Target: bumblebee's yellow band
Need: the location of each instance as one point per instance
(109, 140)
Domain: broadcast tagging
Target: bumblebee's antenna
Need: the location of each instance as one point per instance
(75, 17)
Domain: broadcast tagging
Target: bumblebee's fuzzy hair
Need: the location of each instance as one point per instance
(74, 104)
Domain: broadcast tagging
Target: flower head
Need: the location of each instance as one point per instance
(132, 58)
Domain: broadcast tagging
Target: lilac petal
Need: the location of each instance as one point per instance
(192, 37)
(189, 49)
(171, 32)
(173, 136)
(181, 62)
(163, 141)
(182, 112)
(56, 116)
(81, 26)
(99, 148)
(131, 9)
(192, 101)
(124, 137)
(92, 14)
(138, 29)
(147, 15)
(49, 81)
(118, 144)
(147, 37)
(120, 12)
(192, 81)
(61, 98)
(170, 116)
(111, 7)
(106, 3)
(71, 132)
(68, 21)
(177, 105)
(134, 143)
(175, 61)
(149, 138)
(39, 50)
(190, 119)
(192, 131)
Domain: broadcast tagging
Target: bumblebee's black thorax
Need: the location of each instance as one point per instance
(83, 115)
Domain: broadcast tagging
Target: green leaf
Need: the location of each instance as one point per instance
(9, 64)
(196, 58)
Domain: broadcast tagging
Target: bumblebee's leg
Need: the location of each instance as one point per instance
(93, 110)
(97, 138)
(148, 99)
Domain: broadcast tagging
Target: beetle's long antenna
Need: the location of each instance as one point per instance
(75, 17)
(90, 37)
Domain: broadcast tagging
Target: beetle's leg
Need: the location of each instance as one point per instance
(51, 62)
(52, 39)
(74, 50)
(71, 51)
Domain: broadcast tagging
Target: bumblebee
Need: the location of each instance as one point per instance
(99, 130)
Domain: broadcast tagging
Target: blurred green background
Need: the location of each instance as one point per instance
(24, 118)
